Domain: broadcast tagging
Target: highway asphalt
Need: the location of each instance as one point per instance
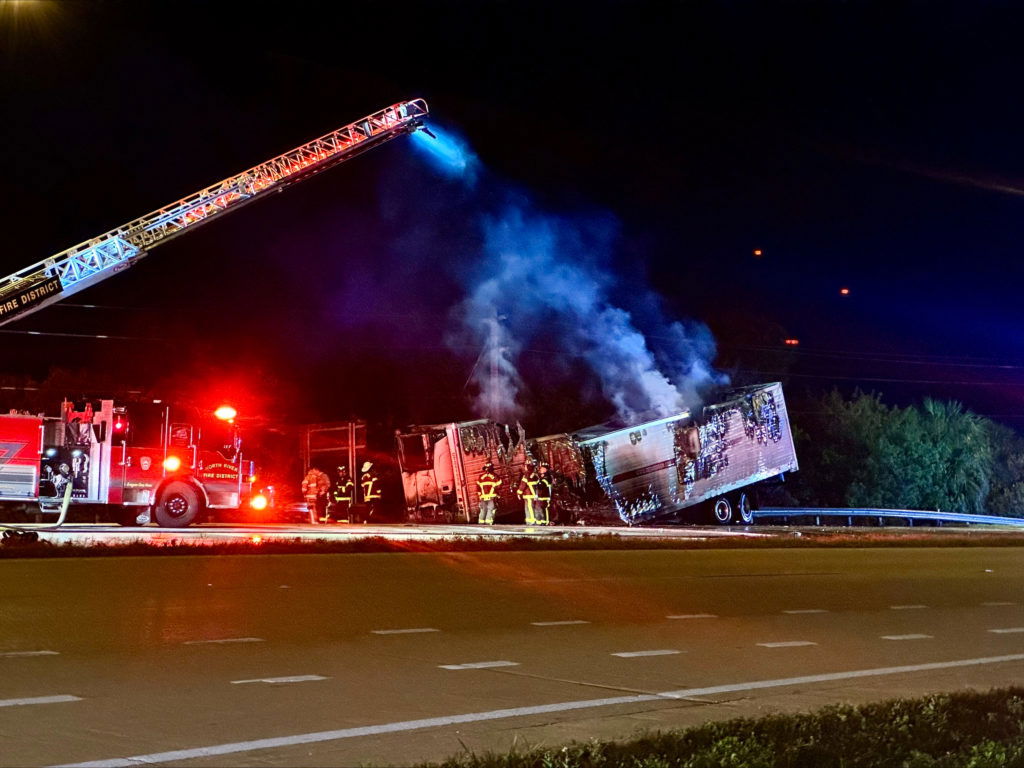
(338, 660)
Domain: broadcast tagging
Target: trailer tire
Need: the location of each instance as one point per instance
(178, 505)
(721, 511)
(745, 508)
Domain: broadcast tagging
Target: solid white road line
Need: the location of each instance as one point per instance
(1007, 630)
(998, 603)
(480, 665)
(634, 654)
(412, 631)
(13, 654)
(806, 610)
(225, 640)
(906, 607)
(693, 616)
(292, 679)
(38, 700)
(907, 637)
(787, 644)
(557, 623)
(218, 750)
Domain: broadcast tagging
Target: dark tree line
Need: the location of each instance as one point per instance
(858, 451)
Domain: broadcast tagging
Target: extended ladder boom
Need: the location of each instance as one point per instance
(90, 262)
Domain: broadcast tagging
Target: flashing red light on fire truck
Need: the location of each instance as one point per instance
(172, 463)
(792, 342)
(226, 413)
(258, 502)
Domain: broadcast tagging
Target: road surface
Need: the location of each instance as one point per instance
(327, 660)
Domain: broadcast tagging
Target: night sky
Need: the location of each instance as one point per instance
(868, 146)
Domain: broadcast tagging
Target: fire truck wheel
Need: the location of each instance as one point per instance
(178, 506)
(721, 511)
(745, 508)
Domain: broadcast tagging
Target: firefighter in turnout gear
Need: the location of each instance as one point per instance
(370, 485)
(488, 483)
(315, 487)
(542, 506)
(527, 491)
(341, 496)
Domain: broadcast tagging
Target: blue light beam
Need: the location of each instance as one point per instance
(448, 154)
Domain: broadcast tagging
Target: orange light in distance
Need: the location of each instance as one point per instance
(225, 413)
(256, 539)
(792, 342)
(758, 253)
(844, 291)
(258, 502)
(172, 463)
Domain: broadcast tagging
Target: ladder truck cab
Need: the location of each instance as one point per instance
(131, 464)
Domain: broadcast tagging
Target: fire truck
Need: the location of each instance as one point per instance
(167, 465)
(130, 464)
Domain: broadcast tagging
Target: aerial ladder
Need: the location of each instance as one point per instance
(88, 263)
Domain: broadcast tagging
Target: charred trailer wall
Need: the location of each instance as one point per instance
(657, 469)
(442, 485)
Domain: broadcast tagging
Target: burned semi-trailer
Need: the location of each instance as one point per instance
(686, 467)
(441, 463)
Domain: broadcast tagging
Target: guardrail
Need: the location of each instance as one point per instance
(910, 515)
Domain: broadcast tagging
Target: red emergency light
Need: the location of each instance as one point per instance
(792, 342)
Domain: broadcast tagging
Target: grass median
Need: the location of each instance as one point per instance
(961, 730)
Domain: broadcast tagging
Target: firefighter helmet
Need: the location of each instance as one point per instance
(367, 466)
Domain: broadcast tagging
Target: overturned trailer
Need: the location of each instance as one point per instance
(440, 464)
(681, 467)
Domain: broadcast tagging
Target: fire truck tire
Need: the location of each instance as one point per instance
(721, 511)
(178, 506)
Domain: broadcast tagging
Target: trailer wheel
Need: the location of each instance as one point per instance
(178, 506)
(745, 508)
(721, 510)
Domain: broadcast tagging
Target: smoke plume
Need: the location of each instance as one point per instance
(551, 276)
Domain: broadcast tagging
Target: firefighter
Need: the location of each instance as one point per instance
(542, 506)
(527, 492)
(315, 487)
(488, 483)
(370, 485)
(341, 496)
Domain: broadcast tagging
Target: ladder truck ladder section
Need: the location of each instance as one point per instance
(77, 268)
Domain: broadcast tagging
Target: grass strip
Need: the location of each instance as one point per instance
(960, 730)
(571, 540)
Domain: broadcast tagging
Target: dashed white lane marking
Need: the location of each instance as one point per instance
(1007, 630)
(999, 603)
(401, 726)
(292, 679)
(787, 644)
(693, 616)
(557, 623)
(906, 607)
(480, 665)
(412, 631)
(635, 654)
(13, 654)
(907, 637)
(799, 611)
(225, 640)
(38, 700)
